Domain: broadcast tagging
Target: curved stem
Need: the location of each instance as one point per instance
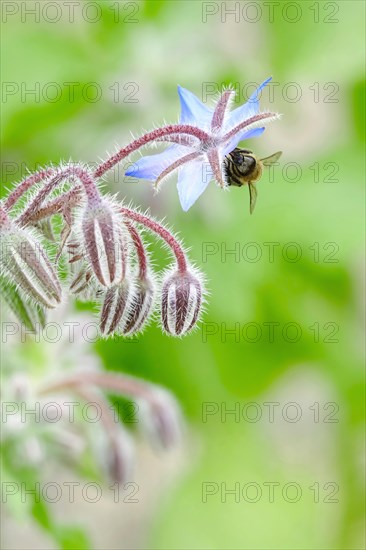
(26, 184)
(118, 384)
(179, 139)
(163, 233)
(163, 410)
(155, 135)
(140, 250)
(85, 178)
(55, 206)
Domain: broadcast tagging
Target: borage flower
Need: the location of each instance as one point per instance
(201, 160)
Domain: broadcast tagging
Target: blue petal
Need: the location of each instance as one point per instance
(192, 181)
(193, 110)
(249, 109)
(151, 166)
(247, 134)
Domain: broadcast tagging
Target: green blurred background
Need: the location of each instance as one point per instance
(135, 54)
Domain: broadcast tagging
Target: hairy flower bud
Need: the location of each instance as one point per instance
(104, 242)
(114, 307)
(120, 457)
(140, 308)
(32, 316)
(181, 302)
(24, 263)
(161, 419)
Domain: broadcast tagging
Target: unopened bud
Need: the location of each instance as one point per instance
(24, 263)
(32, 316)
(114, 307)
(181, 302)
(120, 458)
(140, 307)
(105, 243)
(161, 418)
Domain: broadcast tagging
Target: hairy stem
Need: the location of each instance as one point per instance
(55, 206)
(155, 135)
(140, 250)
(118, 384)
(163, 233)
(26, 184)
(72, 172)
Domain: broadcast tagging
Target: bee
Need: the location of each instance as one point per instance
(242, 166)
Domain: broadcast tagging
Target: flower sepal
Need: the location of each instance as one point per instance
(105, 242)
(181, 301)
(23, 262)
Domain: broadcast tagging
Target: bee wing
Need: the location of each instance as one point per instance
(253, 193)
(268, 161)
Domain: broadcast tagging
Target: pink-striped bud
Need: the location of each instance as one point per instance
(140, 307)
(105, 242)
(25, 264)
(116, 300)
(181, 302)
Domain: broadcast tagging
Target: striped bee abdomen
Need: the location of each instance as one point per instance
(239, 165)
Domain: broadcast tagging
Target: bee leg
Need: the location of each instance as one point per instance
(253, 196)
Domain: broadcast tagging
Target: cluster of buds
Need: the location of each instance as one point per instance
(58, 423)
(108, 259)
(101, 245)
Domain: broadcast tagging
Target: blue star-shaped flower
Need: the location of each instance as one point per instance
(200, 160)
